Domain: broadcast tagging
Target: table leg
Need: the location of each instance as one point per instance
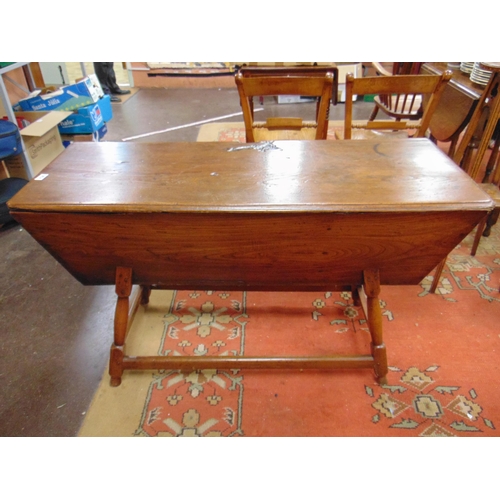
(123, 290)
(355, 296)
(145, 294)
(127, 303)
(374, 317)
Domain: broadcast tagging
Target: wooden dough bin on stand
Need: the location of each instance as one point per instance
(283, 216)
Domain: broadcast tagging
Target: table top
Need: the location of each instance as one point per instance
(295, 176)
(461, 81)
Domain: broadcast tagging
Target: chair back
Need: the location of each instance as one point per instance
(394, 86)
(310, 81)
(401, 106)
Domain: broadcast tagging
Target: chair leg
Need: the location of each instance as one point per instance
(453, 146)
(490, 167)
(437, 275)
(491, 221)
(374, 114)
(477, 237)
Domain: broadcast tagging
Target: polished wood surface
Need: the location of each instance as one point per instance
(304, 215)
(311, 81)
(457, 104)
(167, 209)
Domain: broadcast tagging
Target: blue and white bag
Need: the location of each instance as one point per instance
(10, 139)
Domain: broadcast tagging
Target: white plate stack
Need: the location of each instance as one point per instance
(479, 75)
(466, 67)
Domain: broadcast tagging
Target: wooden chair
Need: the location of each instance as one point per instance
(398, 106)
(492, 189)
(313, 81)
(432, 85)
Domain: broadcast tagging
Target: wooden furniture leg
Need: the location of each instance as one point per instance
(479, 232)
(127, 303)
(437, 275)
(491, 221)
(490, 167)
(453, 146)
(374, 318)
(123, 289)
(355, 296)
(145, 294)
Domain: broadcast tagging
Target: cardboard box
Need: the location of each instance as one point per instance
(42, 141)
(66, 98)
(89, 119)
(93, 137)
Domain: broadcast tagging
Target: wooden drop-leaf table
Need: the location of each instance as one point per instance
(293, 216)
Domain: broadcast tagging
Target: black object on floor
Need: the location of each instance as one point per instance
(8, 188)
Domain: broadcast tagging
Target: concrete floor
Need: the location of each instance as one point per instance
(55, 333)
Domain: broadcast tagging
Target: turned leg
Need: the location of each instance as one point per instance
(490, 167)
(374, 313)
(491, 221)
(123, 289)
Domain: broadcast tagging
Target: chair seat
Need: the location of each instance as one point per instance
(264, 134)
(491, 190)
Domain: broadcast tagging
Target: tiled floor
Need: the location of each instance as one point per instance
(55, 333)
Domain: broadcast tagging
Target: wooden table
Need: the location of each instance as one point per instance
(304, 215)
(456, 106)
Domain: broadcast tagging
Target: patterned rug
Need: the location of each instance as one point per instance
(442, 351)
